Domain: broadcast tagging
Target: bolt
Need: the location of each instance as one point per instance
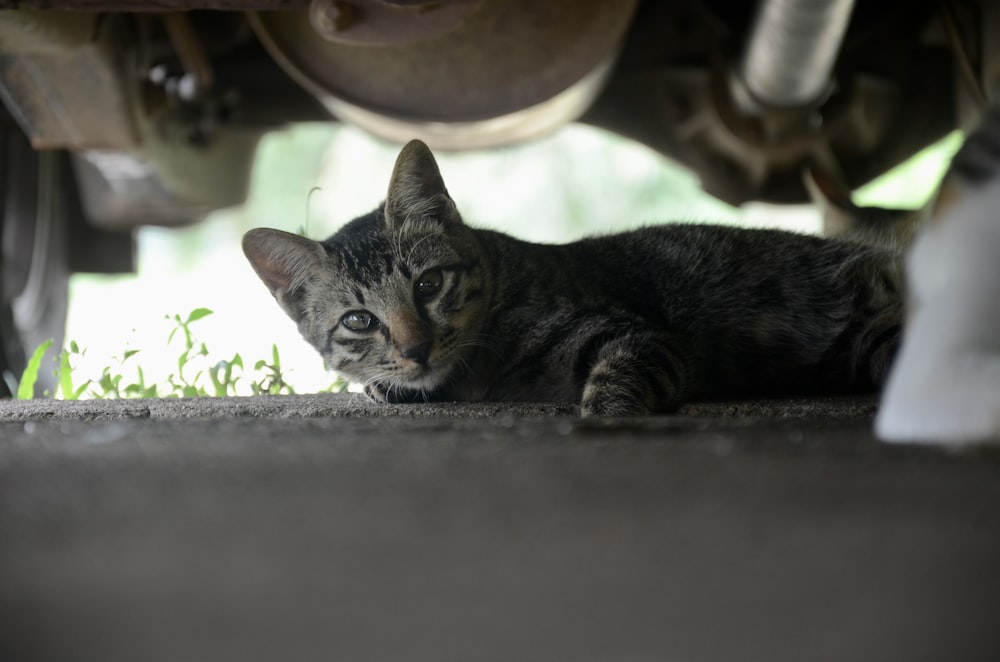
(330, 17)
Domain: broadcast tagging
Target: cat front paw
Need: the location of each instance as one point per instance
(613, 397)
(634, 375)
(377, 393)
(603, 403)
(385, 395)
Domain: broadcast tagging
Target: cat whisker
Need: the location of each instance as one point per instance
(465, 365)
(482, 344)
(367, 380)
(420, 241)
(398, 238)
(417, 208)
(492, 350)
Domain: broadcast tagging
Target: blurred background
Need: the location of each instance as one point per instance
(313, 178)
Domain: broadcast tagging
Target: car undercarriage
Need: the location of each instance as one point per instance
(122, 113)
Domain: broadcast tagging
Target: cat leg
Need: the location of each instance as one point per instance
(634, 375)
(945, 384)
(377, 393)
(876, 345)
(873, 331)
(381, 393)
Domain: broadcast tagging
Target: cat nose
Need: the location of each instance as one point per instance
(419, 353)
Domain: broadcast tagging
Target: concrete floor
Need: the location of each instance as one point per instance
(324, 528)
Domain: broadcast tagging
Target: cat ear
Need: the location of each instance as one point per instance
(284, 261)
(833, 199)
(416, 187)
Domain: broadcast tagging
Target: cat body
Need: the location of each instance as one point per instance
(419, 306)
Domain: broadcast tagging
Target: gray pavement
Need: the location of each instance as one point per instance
(325, 528)
(351, 405)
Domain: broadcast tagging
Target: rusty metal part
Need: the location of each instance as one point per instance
(508, 57)
(190, 50)
(140, 6)
(753, 150)
(51, 63)
(667, 95)
(513, 127)
(72, 82)
(330, 18)
(378, 23)
(165, 182)
(791, 52)
(962, 60)
(990, 28)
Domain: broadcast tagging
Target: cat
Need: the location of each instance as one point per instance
(945, 387)
(418, 306)
(893, 229)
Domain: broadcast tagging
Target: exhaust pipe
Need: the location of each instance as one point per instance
(791, 52)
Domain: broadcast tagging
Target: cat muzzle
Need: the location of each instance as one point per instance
(418, 353)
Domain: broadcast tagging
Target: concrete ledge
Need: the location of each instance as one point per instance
(340, 405)
(326, 528)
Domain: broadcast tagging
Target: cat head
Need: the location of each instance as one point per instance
(393, 298)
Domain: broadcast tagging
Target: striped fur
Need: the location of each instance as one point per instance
(624, 324)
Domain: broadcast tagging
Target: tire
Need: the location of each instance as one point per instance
(37, 195)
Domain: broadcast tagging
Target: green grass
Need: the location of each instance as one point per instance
(198, 373)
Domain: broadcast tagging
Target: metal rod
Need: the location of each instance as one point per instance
(792, 49)
(189, 50)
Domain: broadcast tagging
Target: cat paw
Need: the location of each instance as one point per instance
(377, 393)
(603, 403)
(633, 376)
(384, 395)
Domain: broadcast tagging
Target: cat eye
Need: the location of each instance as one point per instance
(428, 285)
(359, 320)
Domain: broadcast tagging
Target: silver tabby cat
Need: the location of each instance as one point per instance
(418, 306)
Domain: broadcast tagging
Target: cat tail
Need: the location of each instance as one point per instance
(893, 229)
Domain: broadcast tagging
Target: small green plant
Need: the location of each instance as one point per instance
(26, 388)
(65, 373)
(273, 382)
(197, 373)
